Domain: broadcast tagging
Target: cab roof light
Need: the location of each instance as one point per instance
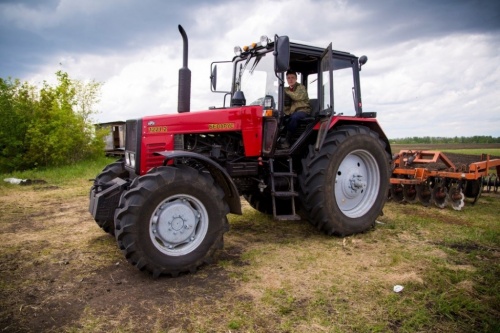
(263, 42)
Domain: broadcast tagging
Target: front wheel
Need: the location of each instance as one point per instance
(171, 220)
(343, 187)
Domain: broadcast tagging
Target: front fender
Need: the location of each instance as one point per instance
(218, 173)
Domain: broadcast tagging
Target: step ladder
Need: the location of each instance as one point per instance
(290, 194)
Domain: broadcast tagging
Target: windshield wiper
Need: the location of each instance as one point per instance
(257, 60)
(242, 70)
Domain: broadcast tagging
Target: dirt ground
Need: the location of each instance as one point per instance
(56, 264)
(45, 286)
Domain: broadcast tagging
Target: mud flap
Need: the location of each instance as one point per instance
(103, 203)
(323, 131)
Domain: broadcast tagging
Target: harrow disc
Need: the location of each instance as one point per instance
(410, 193)
(456, 197)
(473, 189)
(397, 192)
(439, 193)
(424, 193)
(491, 182)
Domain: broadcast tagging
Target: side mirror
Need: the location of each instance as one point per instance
(281, 53)
(213, 78)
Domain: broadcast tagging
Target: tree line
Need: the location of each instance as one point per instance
(444, 140)
(48, 126)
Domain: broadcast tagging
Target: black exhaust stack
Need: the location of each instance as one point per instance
(184, 97)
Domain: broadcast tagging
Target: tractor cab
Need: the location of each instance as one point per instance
(257, 78)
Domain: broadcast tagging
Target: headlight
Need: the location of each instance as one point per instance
(237, 51)
(263, 41)
(127, 158)
(132, 160)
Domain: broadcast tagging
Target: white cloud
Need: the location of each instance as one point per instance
(422, 77)
(434, 88)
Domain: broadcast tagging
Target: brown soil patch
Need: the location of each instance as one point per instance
(56, 264)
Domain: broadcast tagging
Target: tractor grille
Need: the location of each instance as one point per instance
(153, 160)
(179, 142)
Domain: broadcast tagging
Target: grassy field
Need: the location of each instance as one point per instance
(466, 149)
(60, 273)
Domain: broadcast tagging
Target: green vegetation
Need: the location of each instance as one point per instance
(444, 140)
(478, 152)
(47, 127)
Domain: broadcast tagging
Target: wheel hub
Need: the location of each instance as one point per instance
(175, 223)
(353, 185)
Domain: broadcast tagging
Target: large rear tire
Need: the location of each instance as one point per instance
(171, 220)
(343, 187)
(110, 172)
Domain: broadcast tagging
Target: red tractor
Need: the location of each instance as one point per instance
(167, 201)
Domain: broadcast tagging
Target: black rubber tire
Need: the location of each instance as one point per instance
(147, 214)
(111, 171)
(326, 170)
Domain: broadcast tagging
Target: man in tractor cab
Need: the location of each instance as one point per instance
(296, 106)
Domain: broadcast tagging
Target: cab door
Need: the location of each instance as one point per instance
(326, 82)
(325, 95)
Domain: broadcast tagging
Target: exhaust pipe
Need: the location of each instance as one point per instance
(184, 97)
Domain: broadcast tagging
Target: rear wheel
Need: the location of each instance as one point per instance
(343, 187)
(110, 172)
(171, 220)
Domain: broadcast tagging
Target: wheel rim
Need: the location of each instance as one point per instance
(178, 225)
(357, 183)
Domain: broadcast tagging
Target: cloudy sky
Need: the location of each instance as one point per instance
(433, 65)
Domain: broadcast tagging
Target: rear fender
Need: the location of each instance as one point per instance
(219, 174)
(371, 123)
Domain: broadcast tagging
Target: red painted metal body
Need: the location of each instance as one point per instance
(158, 131)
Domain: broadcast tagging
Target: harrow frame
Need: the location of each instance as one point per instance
(445, 185)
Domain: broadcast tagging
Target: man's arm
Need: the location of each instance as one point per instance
(299, 94)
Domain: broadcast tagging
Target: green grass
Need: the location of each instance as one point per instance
(61, 175)
(489, 151)
(461, 289)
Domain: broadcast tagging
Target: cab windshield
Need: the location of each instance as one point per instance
(256, 78)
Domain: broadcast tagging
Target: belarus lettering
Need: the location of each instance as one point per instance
(220, 126)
